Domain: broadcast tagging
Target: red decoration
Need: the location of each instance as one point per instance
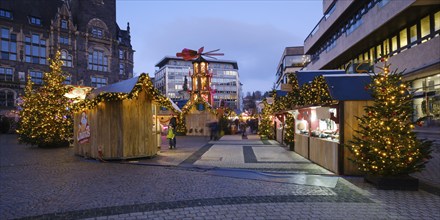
(188, 54)
(366, 88)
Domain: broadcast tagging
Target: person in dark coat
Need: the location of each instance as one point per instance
(213, 126)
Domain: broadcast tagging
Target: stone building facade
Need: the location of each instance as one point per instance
(94, 49)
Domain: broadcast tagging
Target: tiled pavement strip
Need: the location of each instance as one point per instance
(183, 184)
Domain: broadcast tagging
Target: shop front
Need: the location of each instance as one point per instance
(322, 131)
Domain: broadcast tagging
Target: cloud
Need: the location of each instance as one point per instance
(256, 48)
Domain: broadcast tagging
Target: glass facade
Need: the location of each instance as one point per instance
(427, 97)
(224, 82)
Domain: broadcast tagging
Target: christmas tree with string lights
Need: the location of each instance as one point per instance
(292, 99)
(385, 144)
(265, 127)
(45, 119)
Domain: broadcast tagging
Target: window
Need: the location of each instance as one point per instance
(36, 77)
(66, 58)
(379, 51)
(386, 47)
(372, 54)
(64, 40)
(97, 32)
(394, 43)
(7, 97)
(425, 26)
(35, 49)
(35, 20)
(5, 14)
(437, 21)
(6, 74)
(121, 54)
(63, 24)
(121, 68)
(98, 61)
(403, 38)
(413, 33)
(98, 81)
(68, 80)
(8, 45)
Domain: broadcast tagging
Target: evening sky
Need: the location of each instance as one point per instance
(253, 33)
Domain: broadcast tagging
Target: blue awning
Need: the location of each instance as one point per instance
(307, 76)
(281, 93)
(345, 87)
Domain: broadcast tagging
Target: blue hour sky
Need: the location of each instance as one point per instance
(253, 33)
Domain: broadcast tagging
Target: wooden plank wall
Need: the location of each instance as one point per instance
(302, 145)
(350, 123)
(122, 129)
(324, 153)
(137, 117)
(198, 120)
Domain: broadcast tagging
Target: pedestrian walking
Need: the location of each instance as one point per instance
(213, 130)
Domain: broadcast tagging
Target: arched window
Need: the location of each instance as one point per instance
(66, 58)
(7, 97)
(97, 28)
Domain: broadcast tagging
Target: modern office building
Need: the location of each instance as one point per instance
(172, 71)
(407, 31)
(95, 51)
(292, 60)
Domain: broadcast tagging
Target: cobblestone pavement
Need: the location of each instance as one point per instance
(184, 184)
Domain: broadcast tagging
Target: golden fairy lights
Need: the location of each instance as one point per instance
(45, 118)
(385, 143)
(143, 83)
(314, 93)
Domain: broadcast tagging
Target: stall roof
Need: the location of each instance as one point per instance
(281, 93)
(345, 87)
(181, 103)
(125, 86)
(307, 76)
(174, 105)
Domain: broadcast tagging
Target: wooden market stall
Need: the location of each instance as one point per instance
(118, 121)
(322, 131)
(197, 117)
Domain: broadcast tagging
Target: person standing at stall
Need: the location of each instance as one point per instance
(173, 127)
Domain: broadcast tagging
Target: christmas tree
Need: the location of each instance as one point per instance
(385, 144)
(45, 118)
(293, 99)
(265, 127)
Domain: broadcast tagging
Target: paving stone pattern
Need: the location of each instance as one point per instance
(56, 184)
